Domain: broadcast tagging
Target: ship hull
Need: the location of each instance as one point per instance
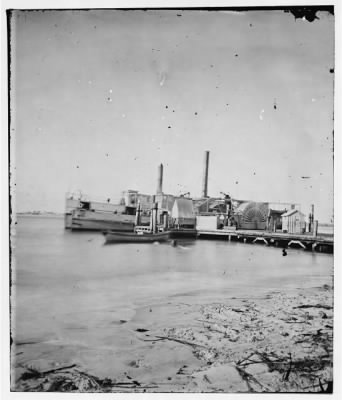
(125, 237)
(83, 224)
(103, 221)
(183, 233)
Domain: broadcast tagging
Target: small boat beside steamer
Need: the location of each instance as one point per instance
(141, 234)
(174, 213)
(136, 237)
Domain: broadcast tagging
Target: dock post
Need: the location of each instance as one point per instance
(229, 238)
(315, 228)
(311, 219)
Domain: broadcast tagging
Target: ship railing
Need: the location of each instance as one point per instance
(142, 229)
(90, 198)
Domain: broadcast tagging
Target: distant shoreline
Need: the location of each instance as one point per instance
(44, 215)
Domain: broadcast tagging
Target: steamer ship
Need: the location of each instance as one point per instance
(84, 213)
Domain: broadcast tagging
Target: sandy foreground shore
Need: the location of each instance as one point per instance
(278, 342)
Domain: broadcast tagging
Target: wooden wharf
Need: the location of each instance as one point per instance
(319, 243)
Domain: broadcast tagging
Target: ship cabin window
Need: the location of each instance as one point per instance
(85, 205)
(130, 210)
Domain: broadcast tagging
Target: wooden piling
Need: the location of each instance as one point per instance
(315, 228)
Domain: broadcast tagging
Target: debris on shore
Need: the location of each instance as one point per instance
(277, 343)
(280, 343)
(73, 379)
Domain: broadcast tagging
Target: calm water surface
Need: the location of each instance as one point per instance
(72, 290)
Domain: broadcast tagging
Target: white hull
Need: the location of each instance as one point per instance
(103, 221)
(74, 203)
(67, 220)
(97, 225)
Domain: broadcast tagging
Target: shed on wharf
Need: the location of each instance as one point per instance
(293, 221)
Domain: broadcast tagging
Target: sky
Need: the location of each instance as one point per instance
(100, 98)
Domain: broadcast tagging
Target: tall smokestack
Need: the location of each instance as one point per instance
(160, 179)
(205, 174)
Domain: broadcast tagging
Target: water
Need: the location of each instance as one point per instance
(70, 291)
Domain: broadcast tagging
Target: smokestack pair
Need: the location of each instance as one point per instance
(205, 176)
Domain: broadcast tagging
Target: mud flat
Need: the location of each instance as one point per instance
(278, 342)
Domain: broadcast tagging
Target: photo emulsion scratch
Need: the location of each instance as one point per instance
(172, 225)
